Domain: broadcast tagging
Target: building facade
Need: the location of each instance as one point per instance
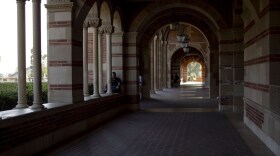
(234, 44)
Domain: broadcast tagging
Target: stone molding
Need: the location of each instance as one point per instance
(86, 24)
(94, 22)
(23, 1)
(63, 5)
(100, 30)
(107, 29)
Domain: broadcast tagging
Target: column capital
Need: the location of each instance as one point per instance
(85, 25)
(23, 1)
(94, 22)
(100, 30)
(107, 28)
(156, 36)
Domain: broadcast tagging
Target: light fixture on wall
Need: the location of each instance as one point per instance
(183, 38)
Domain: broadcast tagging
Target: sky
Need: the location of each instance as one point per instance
(8, 34)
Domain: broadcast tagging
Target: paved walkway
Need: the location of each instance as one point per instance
(180, 126)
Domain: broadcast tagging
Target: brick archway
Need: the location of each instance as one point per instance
(184, 68)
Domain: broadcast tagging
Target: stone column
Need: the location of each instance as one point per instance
(65, 56)
(108, 30)
(165, 64)
(100, 65)
(169, 73)
(22, 102)
(214, 73)
(95, 23)
(152, 91)
(160, 65)
(226, 65)
(37, 68)
(155, 63)
(85, 58)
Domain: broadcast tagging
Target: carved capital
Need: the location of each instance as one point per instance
(94, 22)
(118, 30)
(107, 29)
(85, 25)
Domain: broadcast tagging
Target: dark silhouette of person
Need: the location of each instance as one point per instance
(116, 83)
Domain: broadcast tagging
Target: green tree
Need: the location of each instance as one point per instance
(44, 59)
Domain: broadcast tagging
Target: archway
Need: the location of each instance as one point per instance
(193, 71)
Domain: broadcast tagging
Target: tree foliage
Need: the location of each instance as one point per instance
(9, 95)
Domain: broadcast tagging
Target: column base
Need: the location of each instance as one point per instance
(85, 95)
(38, 106)
(96, 95)
(21, 106)
(152, 92)
(109, 93)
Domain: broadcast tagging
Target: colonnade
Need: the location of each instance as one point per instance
(21, 42)
(98, 30)
(159, 67)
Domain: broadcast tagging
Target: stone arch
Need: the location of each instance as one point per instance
(179, 47)
(82, 10)
(106, 13)
(199, 6)
(93, 13)
(187, 61)
(165, 32)
(158, 21)
(117, 21)
(250, 10)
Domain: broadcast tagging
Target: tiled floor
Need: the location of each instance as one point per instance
(174, 122)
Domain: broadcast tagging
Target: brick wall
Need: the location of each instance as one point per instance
(254, 115)
(21, 129)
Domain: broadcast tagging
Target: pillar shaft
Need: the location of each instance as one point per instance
(108, 30)
(100, 66)
(85, 59)
(109, 63)
(95, 23)
(37, 67)
(152, 91)
(155, 64)
(22, 102)
(160, 66)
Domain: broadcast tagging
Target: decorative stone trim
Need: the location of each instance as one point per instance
(66, 86)
(254, 115)
(261, 35)
(94, 22)
(62, 5)
(65, 63)
(23, 1)
(249, 26)
(59, 24)
(263, 59)
(107, 28)
(261, 87)
(65, 42)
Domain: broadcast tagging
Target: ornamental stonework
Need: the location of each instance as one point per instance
(94, 22)
(107, 29)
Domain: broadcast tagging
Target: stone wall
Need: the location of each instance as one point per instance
(261, 61)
